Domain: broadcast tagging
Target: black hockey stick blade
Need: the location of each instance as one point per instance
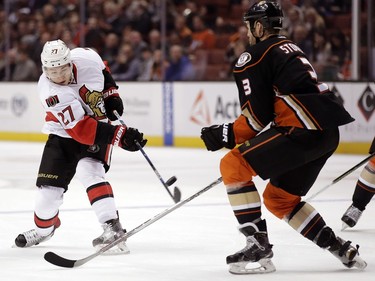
(57, 260)
(51, 257)
(176, 195)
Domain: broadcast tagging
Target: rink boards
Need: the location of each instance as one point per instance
(172, 114)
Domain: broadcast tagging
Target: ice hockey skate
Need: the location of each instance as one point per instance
(112, 231)
(255, 258)
(350, 217)
(347, 254)
(32, 237)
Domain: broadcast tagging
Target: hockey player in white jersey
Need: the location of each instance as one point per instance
(79, 96)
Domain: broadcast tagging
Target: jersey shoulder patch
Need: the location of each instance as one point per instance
(243, 59)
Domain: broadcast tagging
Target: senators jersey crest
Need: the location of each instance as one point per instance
(94, 100)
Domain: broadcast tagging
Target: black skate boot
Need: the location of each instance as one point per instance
(255, 257)
(32, 238)
(112, 231)
(347, 254)
(350, 217)
(341, 249)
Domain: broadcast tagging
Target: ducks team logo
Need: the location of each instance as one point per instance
(243, 59)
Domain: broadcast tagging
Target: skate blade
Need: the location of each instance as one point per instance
(262, 266)
(344, 226)
(359, 263)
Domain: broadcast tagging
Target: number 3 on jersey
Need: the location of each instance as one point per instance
(246, 86)
(66, 115)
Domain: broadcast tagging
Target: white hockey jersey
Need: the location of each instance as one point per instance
(67, 105)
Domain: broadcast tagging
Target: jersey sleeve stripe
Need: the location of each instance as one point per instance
(84, 131)
(301, 112)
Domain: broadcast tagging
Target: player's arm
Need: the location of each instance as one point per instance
(87, 130)
(112, 99)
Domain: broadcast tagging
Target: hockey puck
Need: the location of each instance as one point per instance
(171, 181)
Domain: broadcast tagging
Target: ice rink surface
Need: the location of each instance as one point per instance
(189, 244)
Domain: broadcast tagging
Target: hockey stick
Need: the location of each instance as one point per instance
(176, 196)
(341, 177)
(57, 260)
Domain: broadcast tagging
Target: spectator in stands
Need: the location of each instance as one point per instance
(61, 18)
(294, 18)
(127, 65)
(38, 47)
(136, 41)
(112, 20)
(339, 48)
(7, 64)
(300, 37)
(179, 67)
(68, 39)
(322, 53)
(292, 15)
(25, 68)
(141, 19)
(154, 40)
(157, 66)
(110, 49)
(147, 61)
(190, 12)
(203, 37)
(222, 26)
(74, 25)
(183, 32)
(313, 20)
(94, 35)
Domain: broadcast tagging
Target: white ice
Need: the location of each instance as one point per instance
(189, 244)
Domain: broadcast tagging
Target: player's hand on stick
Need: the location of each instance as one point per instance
(129, 138)
(218, 136)
(112, 103)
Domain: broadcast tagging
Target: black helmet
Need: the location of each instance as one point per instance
(268, 13)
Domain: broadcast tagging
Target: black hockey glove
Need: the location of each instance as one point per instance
(218, 136)
(128, 139)
(372, 147)
(112, 103)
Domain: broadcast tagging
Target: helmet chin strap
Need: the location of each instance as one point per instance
(257, 39)
(72, 79)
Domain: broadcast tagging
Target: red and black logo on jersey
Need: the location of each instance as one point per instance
(52, 101)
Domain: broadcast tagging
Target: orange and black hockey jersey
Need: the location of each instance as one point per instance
(277, 84)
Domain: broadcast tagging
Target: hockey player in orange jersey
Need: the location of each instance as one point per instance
(277, 86)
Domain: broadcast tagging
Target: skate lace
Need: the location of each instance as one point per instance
(354, 213)
(250, 242)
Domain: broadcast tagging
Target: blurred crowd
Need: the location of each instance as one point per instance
(128, 35)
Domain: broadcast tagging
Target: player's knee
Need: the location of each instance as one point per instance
(234, 169)
(278, 201)
(90, 171)
(48, 200)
